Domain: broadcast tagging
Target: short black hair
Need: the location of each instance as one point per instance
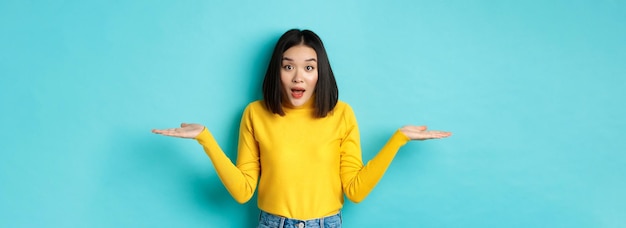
(326, 91)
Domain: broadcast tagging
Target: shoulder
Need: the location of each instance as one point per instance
(343, 111)
(255, 107)
(343, 108)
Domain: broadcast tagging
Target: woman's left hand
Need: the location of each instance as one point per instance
(420, 133)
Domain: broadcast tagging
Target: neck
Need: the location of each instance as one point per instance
(308, 105)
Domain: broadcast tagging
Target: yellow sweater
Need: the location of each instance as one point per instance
(305, 164)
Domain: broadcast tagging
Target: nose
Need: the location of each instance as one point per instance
(297, 77)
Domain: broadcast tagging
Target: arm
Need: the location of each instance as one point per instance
(240, 180)
(359, 180)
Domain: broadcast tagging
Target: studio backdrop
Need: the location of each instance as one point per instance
(533, 91)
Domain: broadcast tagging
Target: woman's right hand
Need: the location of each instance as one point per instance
(185, 130)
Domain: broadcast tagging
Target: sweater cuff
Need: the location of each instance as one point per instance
(204, 136)
(399, 139)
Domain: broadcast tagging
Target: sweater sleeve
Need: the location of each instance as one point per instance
(359, 180)
(241, 179)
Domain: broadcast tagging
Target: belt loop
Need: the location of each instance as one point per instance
(322, 223)
(282, 222)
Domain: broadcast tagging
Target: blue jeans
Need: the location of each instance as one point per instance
(267, 220)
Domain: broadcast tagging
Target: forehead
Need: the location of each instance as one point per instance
(299, 53)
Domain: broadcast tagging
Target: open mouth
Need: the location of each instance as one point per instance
(297, 92)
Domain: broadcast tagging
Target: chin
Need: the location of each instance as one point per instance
(297, 102)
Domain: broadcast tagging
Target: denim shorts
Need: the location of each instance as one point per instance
(267, 220)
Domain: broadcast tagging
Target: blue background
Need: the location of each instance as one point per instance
(533, 91)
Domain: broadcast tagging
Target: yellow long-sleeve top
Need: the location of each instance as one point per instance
(305, 164)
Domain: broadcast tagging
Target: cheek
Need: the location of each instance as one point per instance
(284, 81)
(313, 80)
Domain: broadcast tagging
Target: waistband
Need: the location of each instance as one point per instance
(270, 220)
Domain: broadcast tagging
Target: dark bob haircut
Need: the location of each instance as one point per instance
(326, 91)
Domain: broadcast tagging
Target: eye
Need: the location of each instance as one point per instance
(309, 68)
(288, 67)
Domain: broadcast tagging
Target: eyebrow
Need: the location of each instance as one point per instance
(307, 60)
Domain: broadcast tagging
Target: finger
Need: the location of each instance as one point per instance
(439, 134)
(171, 133)
(157, 131)
(165, 131)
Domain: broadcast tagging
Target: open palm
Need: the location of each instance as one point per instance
(189, 131)
(420, 133)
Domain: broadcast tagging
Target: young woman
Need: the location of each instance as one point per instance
(300, 144)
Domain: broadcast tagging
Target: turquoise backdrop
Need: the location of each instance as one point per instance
(534, 92)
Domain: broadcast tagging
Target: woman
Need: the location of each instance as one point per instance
(300, 141)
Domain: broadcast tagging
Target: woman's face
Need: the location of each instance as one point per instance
(298, 74)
